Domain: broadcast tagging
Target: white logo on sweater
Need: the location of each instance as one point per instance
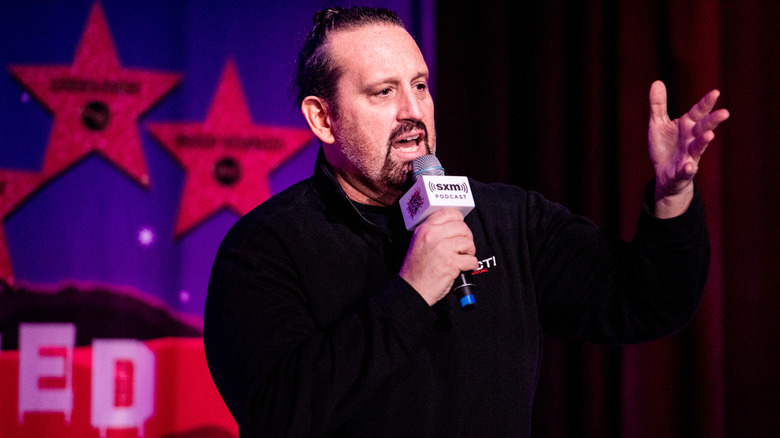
(484, 265)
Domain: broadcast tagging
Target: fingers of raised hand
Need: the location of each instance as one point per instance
(709, 122)
(699, 144)
(658, 107)
(703, 132)
(703, 107)
(687, 171)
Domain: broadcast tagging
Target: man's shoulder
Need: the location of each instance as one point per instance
(498, 194)
(506, 199)
(286, 202)
(496, 188)
(282, 210)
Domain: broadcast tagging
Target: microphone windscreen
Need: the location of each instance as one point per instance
(426, 165)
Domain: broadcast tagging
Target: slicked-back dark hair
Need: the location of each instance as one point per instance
(316, 72)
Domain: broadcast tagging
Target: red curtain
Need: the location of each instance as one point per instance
(552, 96)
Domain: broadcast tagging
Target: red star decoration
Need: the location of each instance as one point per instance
(15, 188)
(227, 158)
(95, 103)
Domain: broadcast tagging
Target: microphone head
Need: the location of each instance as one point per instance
(426, 165)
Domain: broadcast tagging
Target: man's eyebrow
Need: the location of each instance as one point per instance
(393, 80)
(422, 74)
(379, 84)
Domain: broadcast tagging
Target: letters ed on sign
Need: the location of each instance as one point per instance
(122, 383)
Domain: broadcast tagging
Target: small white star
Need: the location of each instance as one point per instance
(146, 236)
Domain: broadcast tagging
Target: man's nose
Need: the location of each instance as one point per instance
(410, 106)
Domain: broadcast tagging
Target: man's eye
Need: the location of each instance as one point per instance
(421, 87)
(384, 92)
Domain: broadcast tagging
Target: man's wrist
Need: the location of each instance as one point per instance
(669, 206)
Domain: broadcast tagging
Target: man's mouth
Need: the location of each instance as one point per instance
(409, 143)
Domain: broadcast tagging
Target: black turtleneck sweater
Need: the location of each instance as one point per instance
(310, 332)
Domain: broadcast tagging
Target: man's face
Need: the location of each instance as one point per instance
(385, 112)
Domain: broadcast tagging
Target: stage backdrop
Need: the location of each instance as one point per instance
(554, 98)
(132, 136)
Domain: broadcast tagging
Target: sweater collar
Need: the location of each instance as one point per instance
(325, 182)
(333, 195)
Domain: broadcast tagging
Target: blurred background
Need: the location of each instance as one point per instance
(134, 134)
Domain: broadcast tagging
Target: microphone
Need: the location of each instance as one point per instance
(432, 191)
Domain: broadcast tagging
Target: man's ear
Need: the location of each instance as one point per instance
(317, 114)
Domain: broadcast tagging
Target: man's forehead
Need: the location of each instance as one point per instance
(372, 38)
(375, 47)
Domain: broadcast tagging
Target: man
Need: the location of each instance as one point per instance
(325, 317)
